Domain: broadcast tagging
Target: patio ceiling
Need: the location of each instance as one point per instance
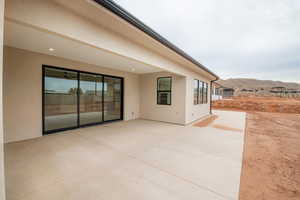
(29, 38)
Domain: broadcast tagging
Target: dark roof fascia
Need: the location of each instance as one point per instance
(121, 12)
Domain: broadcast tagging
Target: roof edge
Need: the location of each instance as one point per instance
(121, 12)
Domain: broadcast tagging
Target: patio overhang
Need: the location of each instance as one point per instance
(35, 39)
(94, 25)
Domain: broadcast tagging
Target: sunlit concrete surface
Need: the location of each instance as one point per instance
(131, 160)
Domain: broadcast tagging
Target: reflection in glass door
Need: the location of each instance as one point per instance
(90, 98)
(60, 99)
(112, 98)
(98, 99)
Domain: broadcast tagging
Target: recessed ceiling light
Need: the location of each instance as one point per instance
(51, 49)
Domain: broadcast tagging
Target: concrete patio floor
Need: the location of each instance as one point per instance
(134, 160)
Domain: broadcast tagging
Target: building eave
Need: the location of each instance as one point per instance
(121, 12)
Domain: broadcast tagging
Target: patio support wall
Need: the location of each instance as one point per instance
(2, 187)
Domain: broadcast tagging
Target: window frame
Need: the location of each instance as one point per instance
(197, 89)
(158, 91)
(44, 67)
(202, 91)
(205, 88)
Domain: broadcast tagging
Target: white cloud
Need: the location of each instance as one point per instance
(234, 38)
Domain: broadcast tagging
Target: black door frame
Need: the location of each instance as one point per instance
(78, 99)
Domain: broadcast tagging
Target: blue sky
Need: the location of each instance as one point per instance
(234, 38)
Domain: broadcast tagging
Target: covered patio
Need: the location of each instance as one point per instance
(137, 159)
(53, 63)
(67, 66)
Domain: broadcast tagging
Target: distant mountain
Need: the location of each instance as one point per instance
(246, 83)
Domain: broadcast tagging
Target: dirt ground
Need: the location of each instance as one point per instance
(210, 122)
(271, 160)
(260, 104)
(207, 121)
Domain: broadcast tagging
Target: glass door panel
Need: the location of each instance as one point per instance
(112, 98)
(72, 99)
(90, 98)
(60, 99)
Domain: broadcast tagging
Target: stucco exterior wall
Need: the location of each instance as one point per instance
(182, 110)
(23, 91)
(174, 113)
(195, 112)
(22, 83)
(2, 186)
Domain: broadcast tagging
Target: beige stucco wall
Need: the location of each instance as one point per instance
(22, 94)
(182, 110)
(2, 187)
(23, 87)
(174, 113)
(195, 112)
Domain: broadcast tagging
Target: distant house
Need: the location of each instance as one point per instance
(247, 90)
(219, 91)
(280, 91)
(227, 92)
(216, 91)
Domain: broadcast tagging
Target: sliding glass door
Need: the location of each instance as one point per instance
(72, 99)
(60, 99)
(112, 98)
(90, 99)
